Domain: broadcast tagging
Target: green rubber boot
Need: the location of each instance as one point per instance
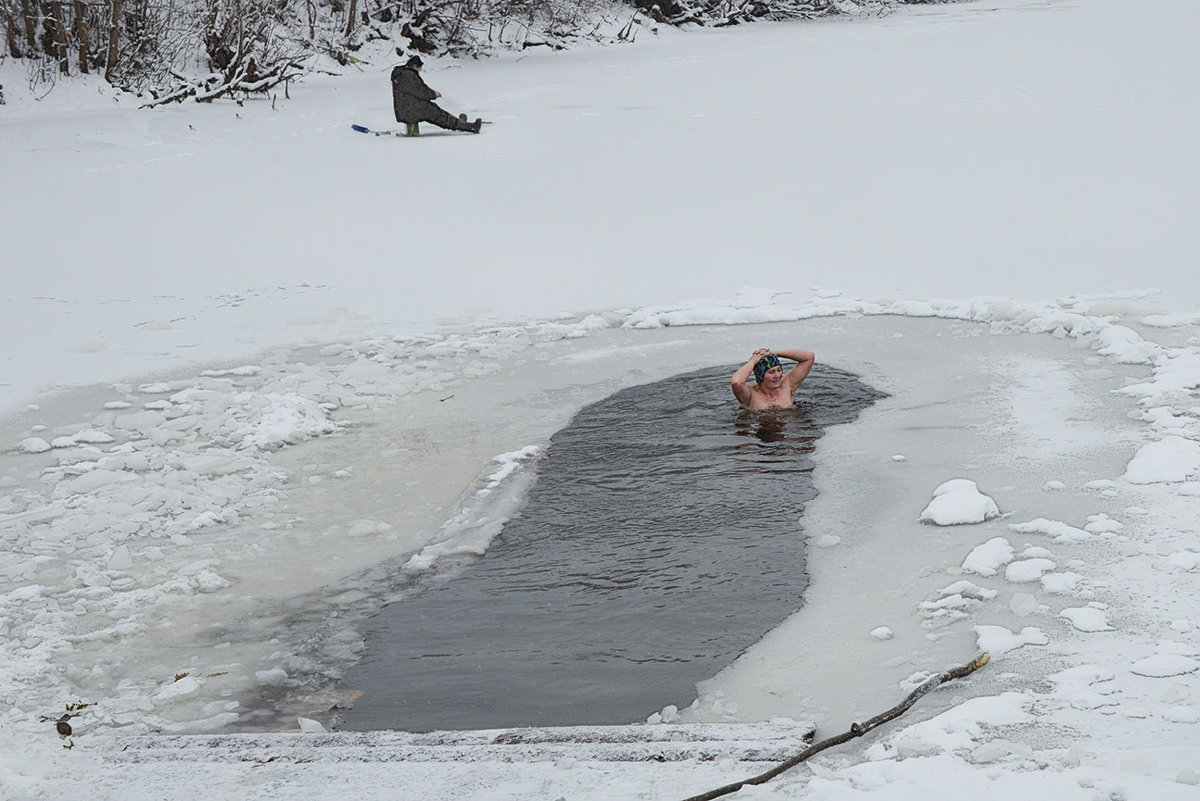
(412, 129)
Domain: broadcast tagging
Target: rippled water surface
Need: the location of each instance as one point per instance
(662, 538)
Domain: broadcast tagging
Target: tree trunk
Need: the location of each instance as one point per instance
(61, 51)
(30, 15)
(114, 39)
(81, 34)
(351, 16)
(10, 33)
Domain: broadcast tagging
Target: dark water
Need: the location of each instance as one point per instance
(662, 538)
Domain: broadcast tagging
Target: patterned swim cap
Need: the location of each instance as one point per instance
(764, 364)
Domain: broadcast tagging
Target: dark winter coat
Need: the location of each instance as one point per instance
(412, 100)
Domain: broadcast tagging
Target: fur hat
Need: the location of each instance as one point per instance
(414, 61)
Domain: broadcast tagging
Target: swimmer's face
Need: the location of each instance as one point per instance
(773, 377)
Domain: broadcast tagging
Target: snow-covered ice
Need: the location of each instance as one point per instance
(987, 559)
(265, 363)
(958, 502)
(1171, 459)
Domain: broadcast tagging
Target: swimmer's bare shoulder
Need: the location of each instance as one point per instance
(774, 389)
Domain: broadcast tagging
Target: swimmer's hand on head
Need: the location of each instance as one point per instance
(774, 388)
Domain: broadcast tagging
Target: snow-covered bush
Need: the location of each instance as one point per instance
(204, 49)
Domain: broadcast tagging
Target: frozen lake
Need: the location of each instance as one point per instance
(256, 360)
(276, 562)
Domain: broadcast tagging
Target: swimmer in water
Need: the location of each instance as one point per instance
(775, 389)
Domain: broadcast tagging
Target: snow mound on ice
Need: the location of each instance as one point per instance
(959, 502)
(1169, 461)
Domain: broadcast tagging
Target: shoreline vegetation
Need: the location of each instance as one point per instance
(204, 50)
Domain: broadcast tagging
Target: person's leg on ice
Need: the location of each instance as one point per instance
(435, 115)
(473, 127)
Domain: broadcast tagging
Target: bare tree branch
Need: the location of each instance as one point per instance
(240, 82)
(856, 729)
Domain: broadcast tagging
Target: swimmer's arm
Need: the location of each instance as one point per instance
(804, 359)
(738, 383)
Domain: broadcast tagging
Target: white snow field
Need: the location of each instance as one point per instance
(250, 355)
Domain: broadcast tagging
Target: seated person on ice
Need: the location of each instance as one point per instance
(412, 101)
(774, 390)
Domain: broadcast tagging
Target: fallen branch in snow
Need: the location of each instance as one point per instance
(856, 730)
(246, 79)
